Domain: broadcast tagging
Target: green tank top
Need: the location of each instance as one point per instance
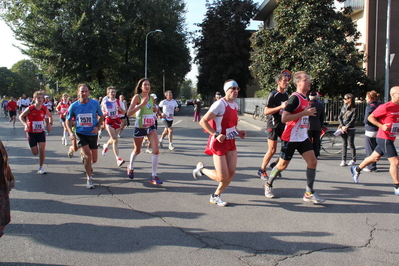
(145, 116)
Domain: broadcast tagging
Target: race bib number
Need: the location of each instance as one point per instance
(37, 126)
(231, 133)
(394, 129)
(85, 120)
(148, 120)
(304, 122)
(63, 111)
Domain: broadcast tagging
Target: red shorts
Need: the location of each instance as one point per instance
(114, 123)
(220, 149)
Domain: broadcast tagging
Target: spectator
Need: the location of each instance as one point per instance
(347, 122)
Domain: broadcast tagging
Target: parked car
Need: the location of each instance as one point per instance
(178, 103)
(189, 102)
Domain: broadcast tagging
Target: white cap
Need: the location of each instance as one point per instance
(154, 96)
(229, 84)
(46, 96)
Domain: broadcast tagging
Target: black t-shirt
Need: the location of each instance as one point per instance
(275, 99)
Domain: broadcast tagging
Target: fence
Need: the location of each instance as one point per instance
(332, 108)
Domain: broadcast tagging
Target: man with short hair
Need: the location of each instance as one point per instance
(168, 106)
(295, 137)
(88, 117)
(275, 104)
(23, 103)
(386, 118)
(12, 109)
(33, 118)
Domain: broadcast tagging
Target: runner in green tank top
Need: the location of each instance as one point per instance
(142, 104)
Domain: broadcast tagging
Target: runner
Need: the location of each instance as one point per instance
(221, 123)
(89, 117)
(156, 114)
(168, 108)
(113, 110)
(23, 103)
(295, 137)
(4, 103)
(386, 118)
(33, 118)
(62, 109)
(275, 104)
(143, 104)
(12, 108)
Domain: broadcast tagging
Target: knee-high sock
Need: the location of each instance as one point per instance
(273, 175)
(155, 160)
(66, 135)
(310, 176)
(133, 157)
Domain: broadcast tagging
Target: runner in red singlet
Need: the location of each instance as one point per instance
(221, 123)
(295, 137)
(34, 127)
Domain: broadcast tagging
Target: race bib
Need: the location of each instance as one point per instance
(304, 122)
(231, 133)
(37, 126)
(394, 129)
(148, 120)
(85, 120)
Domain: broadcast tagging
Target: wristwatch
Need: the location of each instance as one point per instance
(216, 134)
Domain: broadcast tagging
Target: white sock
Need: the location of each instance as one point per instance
(133, 157)
(155, 160)
(160, 140)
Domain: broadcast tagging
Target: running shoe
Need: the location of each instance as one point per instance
(89, 183)
(171, 147)
(352, 162)
(70, 153)
(41, 171)
(355, 174)
(155, 181)
(396, 191)
(148, 150)
(62, 140)
(160, 143)
(120, 162)
(262, 174)
(313, 198)
(100, 134)
(119, 136)
(343, 163)
(217, 200)
(197, 171)
(268, 191)
(130, 172)
(105, 149)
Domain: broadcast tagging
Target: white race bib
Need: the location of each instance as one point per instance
(85, 120)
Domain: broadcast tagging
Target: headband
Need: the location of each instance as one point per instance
(229, 84)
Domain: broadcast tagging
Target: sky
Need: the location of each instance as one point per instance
(196, 14)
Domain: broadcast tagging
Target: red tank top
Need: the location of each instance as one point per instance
(297, 130)
(36, 119)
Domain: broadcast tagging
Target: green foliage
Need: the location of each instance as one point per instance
(10, 83)
(27, 71)
(310, 36)
(223, 50)
(102, 42)
(186, 88)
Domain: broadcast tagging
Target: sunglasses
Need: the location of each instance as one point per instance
(235, 88)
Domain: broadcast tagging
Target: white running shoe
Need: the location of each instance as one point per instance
(352, 162)
(89, 183)
(268, 191)
(217, 200)
(343, 163)
(120, 162)
(171, 147)
(105, 149)
(41, 171)
(148, 150)
(314, 198)
(197, 171)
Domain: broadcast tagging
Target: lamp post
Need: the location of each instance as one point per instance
(146, 44)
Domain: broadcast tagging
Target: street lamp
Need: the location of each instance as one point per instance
(146, 44)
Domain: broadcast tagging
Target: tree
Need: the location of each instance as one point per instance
(10, 83)
(28, 73)
(223, 50)
(102, 42)
(185, 89)
(313, 37)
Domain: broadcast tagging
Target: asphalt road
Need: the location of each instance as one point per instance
(56, 220)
